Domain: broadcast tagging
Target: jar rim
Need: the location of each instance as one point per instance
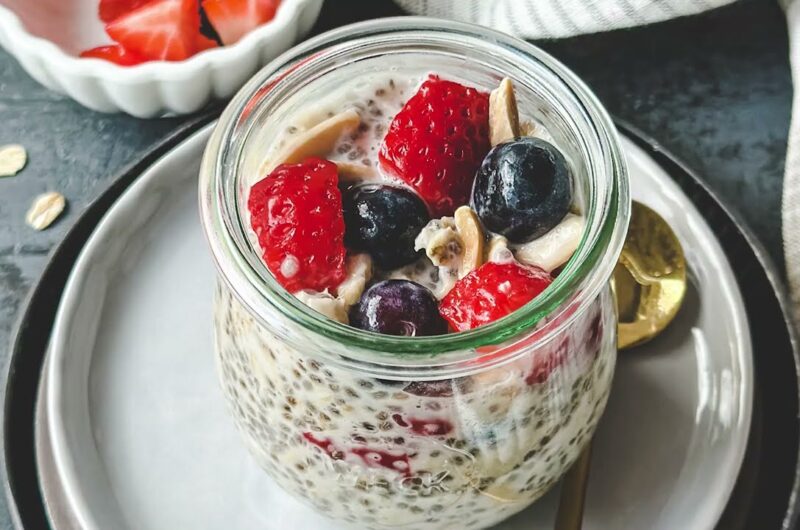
(586, 273)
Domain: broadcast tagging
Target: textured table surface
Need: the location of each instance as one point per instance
(713, 89)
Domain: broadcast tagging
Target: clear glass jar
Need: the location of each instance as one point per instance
(381, 431)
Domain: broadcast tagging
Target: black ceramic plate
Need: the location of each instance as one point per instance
(765, 494)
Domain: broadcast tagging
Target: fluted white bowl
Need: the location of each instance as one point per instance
(46, 37)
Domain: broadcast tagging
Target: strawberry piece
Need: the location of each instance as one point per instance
(491, 292)
(437, 141)
(164, 30)
(110, 10)
(296, 212)
(233, 19)
(371, 457)
(115, 54)
(203, 43)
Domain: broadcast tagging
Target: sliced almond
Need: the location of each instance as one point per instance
(319, 140)
(472, 238)
(45, 209)
(352, 173)
(555, 247)
(13, 158)
(359, 272)
(503, 114)
(325, 304)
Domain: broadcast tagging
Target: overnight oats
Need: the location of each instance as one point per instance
(415, 224)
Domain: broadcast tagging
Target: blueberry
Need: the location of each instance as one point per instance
(383, 221)
(398, 307)
(522, 189)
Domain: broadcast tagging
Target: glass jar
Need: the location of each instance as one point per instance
(382, 431)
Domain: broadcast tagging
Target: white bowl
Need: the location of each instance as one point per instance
(46, 37)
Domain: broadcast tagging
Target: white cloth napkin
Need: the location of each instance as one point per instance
(533, 19)
(791, 180)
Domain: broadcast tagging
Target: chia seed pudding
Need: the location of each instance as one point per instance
(400, 207)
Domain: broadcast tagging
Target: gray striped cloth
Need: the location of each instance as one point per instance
(534, 19)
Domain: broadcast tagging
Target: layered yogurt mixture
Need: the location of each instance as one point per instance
(415, 205)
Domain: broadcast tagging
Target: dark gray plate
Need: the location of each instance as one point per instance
(763, 496)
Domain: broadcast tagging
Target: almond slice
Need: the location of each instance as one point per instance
(555, 247)
(319, 140)
(351, 172)
(503, 115)
(359, 272)
(472, 238)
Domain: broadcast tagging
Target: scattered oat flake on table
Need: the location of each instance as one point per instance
(45, 209)
(12, 159)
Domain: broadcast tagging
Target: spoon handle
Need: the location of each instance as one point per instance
(573, 493)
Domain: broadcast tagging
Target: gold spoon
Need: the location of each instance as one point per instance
(649, 284)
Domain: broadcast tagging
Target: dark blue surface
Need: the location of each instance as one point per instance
(714, 89)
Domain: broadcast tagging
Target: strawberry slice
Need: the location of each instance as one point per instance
(491, 292)
(203, 43)
(115, 54)
(296, 213)
(437, 142)
(110, 10)
(164, 30)
(233, 19)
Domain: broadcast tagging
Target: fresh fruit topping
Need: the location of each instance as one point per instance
(398, 307)
(383, 221)
(503, 115)
(110, 10)
(425, 427)
(296, 213)
(523, 189)
(437, 141)
(232, 19)
(159, 30)
(491, 292)
(553, 249)
(115, 54)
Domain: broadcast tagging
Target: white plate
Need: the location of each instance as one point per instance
(141, 438)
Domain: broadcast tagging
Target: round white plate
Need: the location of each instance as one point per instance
(136, 433)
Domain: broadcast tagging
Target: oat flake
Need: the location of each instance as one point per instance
(12, 159)
(45, 209)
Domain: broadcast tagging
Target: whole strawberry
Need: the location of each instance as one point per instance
(491, 292)
(437, 141)
(296, 213)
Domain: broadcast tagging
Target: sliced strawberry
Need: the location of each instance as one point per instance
(296, 213)
(203, 43)
(110, 10)
(491, 292)
(233, 19)
(437, 141)
(164, 30)
(116, 54)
